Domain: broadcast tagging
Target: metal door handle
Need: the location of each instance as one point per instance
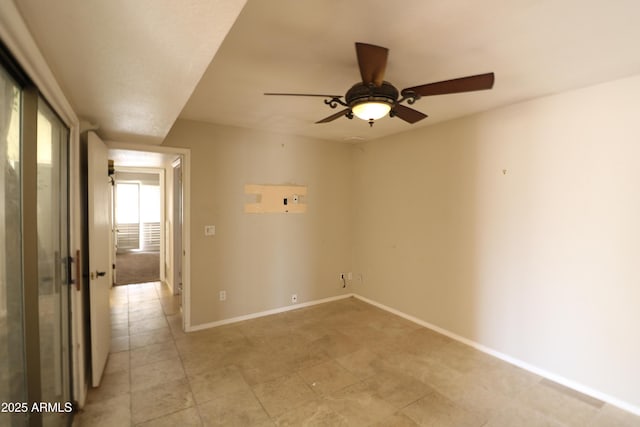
(97, 274)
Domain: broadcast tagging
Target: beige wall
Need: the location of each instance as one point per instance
(518, 229)
(261, 259)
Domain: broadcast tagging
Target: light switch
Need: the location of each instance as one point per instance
(209, 230)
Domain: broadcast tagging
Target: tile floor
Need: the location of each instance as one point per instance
(343, 363)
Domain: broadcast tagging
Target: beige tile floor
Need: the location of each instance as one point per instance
(343, 363)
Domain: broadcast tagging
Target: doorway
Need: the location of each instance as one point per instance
(138, 216)
(172, 164)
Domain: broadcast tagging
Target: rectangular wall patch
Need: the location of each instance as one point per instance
(276, 198)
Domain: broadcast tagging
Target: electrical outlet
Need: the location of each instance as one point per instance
(349, 276)
(341, 276)
(223, 295)
(294, 298)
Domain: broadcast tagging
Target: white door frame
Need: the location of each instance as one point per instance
(186, 220)
(177, 207)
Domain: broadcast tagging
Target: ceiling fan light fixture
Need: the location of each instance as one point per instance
(369, 102)
(371, 110)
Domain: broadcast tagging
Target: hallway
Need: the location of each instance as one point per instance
(145, 321)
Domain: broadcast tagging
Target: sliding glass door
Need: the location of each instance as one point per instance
(35, 378)
(12, 356)
(53, 250)
(138, 213)
(127, 203)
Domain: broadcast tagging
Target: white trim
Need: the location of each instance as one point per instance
(186, 239)
(266, 313)
(173, 280)
(512, 360)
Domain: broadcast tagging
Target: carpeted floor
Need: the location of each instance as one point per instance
(137, 267)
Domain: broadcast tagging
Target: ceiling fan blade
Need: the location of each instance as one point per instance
(334, 116)
(372, 61)
(303, 94)
(463, 84)
(408, 114)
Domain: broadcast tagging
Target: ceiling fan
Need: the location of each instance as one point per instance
(374, 97)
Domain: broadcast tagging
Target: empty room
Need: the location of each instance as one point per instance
(415, 213)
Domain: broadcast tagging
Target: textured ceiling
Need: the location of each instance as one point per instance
(130, 66)
(535, 48)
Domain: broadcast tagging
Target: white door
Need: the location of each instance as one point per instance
(99, 258)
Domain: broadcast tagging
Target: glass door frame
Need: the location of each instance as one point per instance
(32, 351)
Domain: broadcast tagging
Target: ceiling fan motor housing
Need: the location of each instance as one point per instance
(361, 92)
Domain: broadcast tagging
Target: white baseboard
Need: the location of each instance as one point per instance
(265, 313)
(513, 361)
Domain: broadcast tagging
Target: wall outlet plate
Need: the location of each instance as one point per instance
(294, 298)
(223, 295)
(209, 230)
